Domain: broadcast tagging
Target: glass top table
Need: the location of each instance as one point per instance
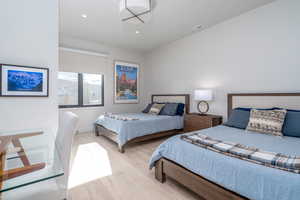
(27, 157)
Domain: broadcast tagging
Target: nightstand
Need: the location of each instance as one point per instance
(194, 121)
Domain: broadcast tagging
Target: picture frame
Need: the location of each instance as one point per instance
(23, 81)
(126, 82)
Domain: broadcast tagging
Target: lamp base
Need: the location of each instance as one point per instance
(205, 105)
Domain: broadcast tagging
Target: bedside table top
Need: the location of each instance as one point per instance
(206, 115)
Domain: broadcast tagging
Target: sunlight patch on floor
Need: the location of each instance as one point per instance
(90, 163)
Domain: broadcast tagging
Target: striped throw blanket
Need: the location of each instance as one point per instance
(251, 154)
(118, 117)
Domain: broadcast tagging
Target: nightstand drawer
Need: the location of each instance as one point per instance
(194, 122)
(200, 124)
(194, 128)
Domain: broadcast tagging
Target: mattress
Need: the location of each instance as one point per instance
(145, 125)
(245, 178)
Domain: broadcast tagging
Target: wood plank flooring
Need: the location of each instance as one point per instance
(100, 172)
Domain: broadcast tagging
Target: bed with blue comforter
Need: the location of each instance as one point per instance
(248, 179)
(145, 124)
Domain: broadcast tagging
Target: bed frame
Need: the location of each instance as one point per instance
(203, 187)
(177, 98)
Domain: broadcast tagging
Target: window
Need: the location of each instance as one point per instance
(68, 88)
(80, 90)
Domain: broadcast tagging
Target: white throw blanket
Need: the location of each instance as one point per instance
(118, 117)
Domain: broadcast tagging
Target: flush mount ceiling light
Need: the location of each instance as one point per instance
(84, 16)
(135, 11)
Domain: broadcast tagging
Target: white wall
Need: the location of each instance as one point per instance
(29, 36)
(89, 115)
(255, 52)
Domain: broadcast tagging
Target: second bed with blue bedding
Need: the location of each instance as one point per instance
(245, 178)
(145, 124)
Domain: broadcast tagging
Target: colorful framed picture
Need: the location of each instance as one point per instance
(126, 77)
(23, 81)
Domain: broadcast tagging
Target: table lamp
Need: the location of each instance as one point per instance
(203, 96)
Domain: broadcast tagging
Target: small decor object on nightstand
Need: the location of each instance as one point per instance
(203, 96)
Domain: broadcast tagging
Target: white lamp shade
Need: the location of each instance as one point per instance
(203, 95)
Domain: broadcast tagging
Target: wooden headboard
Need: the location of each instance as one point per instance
(263, 100)
(174, 98)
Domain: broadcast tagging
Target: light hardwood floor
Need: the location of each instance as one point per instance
(100, 172)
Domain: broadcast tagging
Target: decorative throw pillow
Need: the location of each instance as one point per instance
(169, 109)
(239, 117)
(267, 121)
(147, 109)
(156, 108)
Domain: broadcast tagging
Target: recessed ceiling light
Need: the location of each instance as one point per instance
(137, 32)
(197, 28)
(84, 16)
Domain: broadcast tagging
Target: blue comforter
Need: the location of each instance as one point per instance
(147, 124)
(248, 179)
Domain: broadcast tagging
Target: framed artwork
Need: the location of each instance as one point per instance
(23, 81)
(126, 78)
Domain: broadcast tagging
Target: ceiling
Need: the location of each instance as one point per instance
(171, 20)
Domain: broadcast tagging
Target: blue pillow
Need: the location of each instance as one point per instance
(276, 108)
(291, 126)
(293, 110)
(180, 109)
(239, 118)
(169, 109)
(147, 109)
